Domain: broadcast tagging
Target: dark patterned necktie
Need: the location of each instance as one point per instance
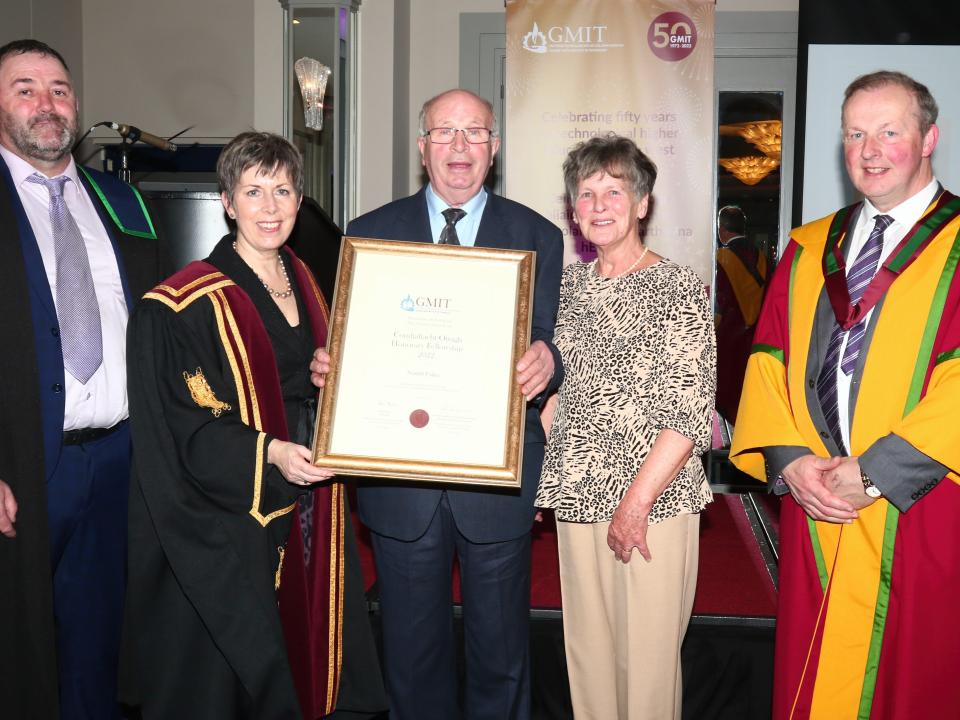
(448, 236)
(77, 310)
(862, 272)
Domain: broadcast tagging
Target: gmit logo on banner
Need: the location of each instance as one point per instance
(563, 37)
(535, 41)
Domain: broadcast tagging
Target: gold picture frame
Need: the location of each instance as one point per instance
(424, 340)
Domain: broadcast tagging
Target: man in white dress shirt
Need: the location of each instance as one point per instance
(851, 408)
(78, 249)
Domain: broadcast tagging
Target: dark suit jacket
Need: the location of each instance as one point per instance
(31, 431)
(404, 511)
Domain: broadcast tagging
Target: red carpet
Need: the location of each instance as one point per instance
(733, 579)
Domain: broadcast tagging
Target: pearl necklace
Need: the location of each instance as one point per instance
(632, 267)
(278, 294)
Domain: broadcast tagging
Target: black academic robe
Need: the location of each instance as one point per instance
(210, 519)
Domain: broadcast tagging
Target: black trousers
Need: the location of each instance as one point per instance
(415, 579)
(87, 508)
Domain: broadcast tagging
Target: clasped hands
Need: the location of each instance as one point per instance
(828, 489)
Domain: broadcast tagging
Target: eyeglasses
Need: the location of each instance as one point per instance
(446, 135)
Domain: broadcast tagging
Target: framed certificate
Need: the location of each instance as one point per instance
(424, 340)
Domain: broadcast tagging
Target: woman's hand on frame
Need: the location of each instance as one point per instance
(294, 463)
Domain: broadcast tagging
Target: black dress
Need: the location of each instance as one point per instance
(361, 692)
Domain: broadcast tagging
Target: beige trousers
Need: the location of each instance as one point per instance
(623, 624)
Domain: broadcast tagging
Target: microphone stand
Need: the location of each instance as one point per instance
(130, 135)
(124, 172)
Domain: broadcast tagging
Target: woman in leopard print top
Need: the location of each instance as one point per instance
(622, 470)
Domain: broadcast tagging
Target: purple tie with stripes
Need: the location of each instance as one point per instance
(862, 272)
(77, 310)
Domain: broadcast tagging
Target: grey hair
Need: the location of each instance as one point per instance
(422, 123)
(614, 155)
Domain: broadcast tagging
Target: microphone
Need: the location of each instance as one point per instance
(134, 134)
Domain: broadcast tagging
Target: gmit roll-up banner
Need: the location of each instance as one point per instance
(640, 68)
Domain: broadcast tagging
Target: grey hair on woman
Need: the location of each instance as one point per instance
(268, 151)
(614, 155)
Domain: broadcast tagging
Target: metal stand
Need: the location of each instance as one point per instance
(124, 171)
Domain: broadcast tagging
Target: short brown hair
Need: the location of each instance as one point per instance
(927, 106)
(268, 151)
(614, 155)
(22, 47)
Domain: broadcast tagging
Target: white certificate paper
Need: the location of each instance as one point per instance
(424, 343)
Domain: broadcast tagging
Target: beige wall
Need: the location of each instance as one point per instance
(267, 66)
(51, 21)
(375, 149)
(164, 66)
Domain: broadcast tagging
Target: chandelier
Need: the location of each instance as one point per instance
(750, 169)
(312, 76)
(765, 135)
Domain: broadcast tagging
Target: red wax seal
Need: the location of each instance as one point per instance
(419, 418)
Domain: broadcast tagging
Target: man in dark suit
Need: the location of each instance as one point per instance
(417, 530)
(78, 249)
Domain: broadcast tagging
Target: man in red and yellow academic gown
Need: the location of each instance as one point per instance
(741, 279)
(851, 404)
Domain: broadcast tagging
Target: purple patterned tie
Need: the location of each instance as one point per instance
(862, 272)
(77, 309)
(448, 236)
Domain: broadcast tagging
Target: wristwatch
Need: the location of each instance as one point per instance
(868, 487)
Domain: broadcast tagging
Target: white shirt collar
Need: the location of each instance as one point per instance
(20, 169)
(909, 211)
(436, 204)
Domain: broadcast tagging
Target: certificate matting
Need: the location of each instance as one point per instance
(424, 341)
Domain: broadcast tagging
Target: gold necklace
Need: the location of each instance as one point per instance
(279, 294)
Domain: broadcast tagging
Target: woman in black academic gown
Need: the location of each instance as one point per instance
(244, 597)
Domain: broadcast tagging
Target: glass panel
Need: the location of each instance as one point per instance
(315, 33)
(748, 219)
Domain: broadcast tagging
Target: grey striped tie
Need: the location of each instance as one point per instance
(77, 308)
